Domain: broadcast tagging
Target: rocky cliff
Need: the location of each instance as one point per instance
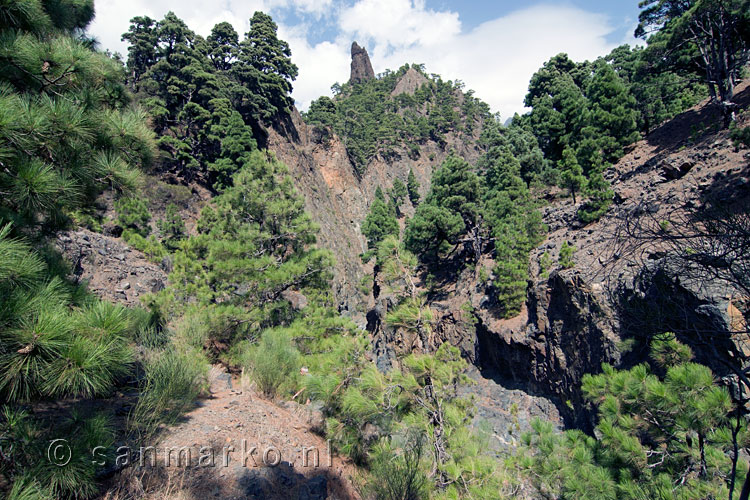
(338, 198)
(574, 319)
(361, 65)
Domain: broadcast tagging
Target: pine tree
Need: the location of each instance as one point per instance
(451, 209)
(253, 244)
(172, 227)
(223, 46)
(556, 96)
(398, 194)
(412, 186)
(571, 172)
(264, 70)
(142, 49)
(679, 451)
(68, 131)
(599, 195)
(613, 114)
(380, 221)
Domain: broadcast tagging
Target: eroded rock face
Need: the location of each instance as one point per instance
(338, 199)
(361, 65)
(112, 269)
(619, 295)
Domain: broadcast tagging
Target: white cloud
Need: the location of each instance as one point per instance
(398, 23)
(496, 58)
(315, 7)
(113, 16)
(320, 66)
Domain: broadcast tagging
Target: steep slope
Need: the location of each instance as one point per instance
(623, 279)
(338, 197)
(574, 319)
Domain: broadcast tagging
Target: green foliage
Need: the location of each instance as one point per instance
(513, 217)
(174, 378)
(50, 348)
(65, 124)
(519, 140)
(56, 343)
(565, 259)
(264, 70)
(273, 362)
(399, 476)
(398, 194)
(660, 95)
(412, 187)
(599, 198)
(571, 173)
(67, 131)
(658, 436)
(151, 247)
(739, 135)
(133, 214)
(411, 314)
(545, 263)
(253, 244)
(450, 209)
(680, 34)
(172, 227)
(380, 222)
(26, 442)
(372, 122)
(209, 98)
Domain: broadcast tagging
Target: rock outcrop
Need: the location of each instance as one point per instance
(361, 65)
(112, 269)
(338, 199)
(620, 292)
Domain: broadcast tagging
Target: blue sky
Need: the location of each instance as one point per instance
(492, 46)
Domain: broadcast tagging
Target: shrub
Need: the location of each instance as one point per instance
(740, 136)
(150, 246)
(173, 381)
(398, 474)
(133, 214)
(565, 259)
(172, 227)
(274, 361)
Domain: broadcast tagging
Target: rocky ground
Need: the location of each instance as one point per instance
(240, 446)
(111, 268)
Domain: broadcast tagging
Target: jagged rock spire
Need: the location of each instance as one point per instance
(361, 65)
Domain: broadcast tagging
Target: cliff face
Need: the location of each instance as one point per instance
(338, 200)
(618, 294)
(625, 286)
(361, 69)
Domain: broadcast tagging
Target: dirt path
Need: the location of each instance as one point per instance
(240, 446)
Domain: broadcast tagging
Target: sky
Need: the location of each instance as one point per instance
(493, 46)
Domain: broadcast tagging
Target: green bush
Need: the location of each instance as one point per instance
(151, 247)
(399, 474)
(172, 227)
(599, 198)
(133, 214)
(174, 378)
(740, 136)
(274, 362)
(26, 443)
(565, 259)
